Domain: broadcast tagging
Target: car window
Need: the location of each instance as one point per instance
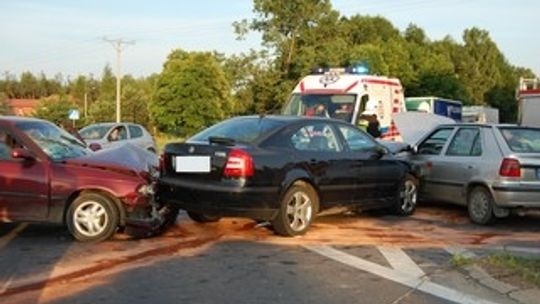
(57, 143)
(318, 137)
(522, 140)
(94, 132)
(434, 144)
(118, 133)
(338, 106)
(135, 131)
(466, 142)
(7, 144)
(356, 140)
(245, 129)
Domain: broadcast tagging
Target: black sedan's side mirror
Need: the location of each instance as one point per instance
(19, 153)
(382, 151)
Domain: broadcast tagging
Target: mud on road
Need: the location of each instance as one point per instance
(35, 258)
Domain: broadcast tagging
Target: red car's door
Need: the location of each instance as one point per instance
(24, 191)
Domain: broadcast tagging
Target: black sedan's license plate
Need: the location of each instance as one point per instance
(192, 164)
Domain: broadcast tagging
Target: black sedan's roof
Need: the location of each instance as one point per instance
(288, 118)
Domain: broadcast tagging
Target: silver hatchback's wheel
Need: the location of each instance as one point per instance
(480, 205)
(298, 208)
(408, 196)
(92, 217)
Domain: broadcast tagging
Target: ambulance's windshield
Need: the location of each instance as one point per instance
(338, 106)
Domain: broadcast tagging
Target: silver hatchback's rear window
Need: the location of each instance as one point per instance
(522, 140)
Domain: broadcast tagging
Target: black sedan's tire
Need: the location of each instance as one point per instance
(480, 206)
(298, 208)
(92, 217)
(407, 196)
(203, 218)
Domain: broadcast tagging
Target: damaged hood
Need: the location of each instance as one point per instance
(414, 125)
(126, 158)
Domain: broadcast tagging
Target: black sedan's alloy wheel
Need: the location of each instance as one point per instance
(407, 196)
(298, 208)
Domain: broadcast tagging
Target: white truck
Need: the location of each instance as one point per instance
(480, 114)
(528, 96)
(346, 94)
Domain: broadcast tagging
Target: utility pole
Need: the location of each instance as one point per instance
(118, 45)
(85, 104)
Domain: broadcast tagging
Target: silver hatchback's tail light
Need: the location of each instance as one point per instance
(510, 167)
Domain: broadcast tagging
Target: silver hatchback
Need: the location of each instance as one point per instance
(491, 169)
(106, 135)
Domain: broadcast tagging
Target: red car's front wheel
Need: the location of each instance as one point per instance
(92, 217)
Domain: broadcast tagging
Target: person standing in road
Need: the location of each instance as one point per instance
(373, 125)
(368, 119)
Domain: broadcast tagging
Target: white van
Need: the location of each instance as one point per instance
(347, 93)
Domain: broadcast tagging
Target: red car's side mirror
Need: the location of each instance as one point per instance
(94, 147)
(19, 153)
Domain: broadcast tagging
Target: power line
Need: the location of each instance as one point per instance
(119, 45)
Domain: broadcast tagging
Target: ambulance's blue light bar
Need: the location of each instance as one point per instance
(319, 70)
(361, 68)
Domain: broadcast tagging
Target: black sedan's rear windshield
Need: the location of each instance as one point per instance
(245, 130)
(522, 140)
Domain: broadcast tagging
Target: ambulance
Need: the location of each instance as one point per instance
(347, 94)
(528, 96)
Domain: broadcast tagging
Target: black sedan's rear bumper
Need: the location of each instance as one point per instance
(221, 199)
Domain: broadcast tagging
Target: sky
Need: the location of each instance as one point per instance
(63, 36)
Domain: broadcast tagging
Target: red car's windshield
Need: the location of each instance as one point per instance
(55, 142)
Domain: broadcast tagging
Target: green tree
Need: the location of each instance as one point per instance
(441, 85)
(102, 111)
(4, 108)
(28, 85)
(481, 72)
(282, 23)
(192, 93)
(136, 95)
(56, 108)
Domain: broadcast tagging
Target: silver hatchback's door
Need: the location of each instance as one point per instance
(136, 136)
(429, 157)
(460, 162)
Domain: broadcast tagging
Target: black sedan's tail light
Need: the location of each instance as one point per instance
(239, 164)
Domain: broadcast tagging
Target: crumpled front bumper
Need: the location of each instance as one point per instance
(151, 219)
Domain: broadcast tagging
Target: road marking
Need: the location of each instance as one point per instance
(397, 276)
(6, 284)
(12, 234)
(401, 262)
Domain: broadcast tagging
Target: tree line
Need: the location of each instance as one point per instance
(197, 89)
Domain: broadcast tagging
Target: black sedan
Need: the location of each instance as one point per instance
(283, 169)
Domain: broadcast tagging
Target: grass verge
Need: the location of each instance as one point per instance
(516, 270)
(527, 268)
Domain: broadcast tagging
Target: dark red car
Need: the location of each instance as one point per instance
(47, 175)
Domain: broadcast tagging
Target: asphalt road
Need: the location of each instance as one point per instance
(344, 258)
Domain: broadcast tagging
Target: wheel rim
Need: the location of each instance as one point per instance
(299, 211)
(409, 196)
(479, 205)
(90, 218)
